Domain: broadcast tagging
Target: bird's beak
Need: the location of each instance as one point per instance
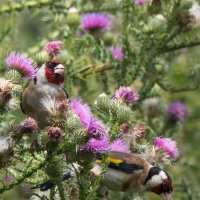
(59, 69)
(166, 196)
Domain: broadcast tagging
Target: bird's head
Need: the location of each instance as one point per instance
(52, 72)
(159, 182)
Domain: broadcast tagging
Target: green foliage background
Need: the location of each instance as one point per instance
(26, 25)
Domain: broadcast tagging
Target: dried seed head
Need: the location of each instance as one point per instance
(124, 128)
(139, 131)
(5, 96)
(6, 151)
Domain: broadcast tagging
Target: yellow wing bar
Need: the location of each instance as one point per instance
(112, 160)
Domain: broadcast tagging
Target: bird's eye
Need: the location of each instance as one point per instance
(50, 64)
(165, 187)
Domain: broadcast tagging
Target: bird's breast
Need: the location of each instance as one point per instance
(120, 181)
(37, 98)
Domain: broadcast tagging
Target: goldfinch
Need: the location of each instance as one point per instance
(44, 91)
(128, 172)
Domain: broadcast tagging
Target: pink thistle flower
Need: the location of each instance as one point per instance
(126, 95)
(28, 125)
(139, 2)
(168, 145)
(95, 21)
(22, 64)
(177, 111)
(82, 110)
(53, 47)
(96, 129)
(96, 146)
(54, 133)
(117, 53)
(119, 145)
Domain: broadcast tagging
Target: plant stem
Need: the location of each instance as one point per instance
(21, 178)
(52, 193)
(61, 190)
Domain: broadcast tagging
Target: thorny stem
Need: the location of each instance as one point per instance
(125, 43)
(52, 193)
(20, 179)
(173, 89)
(181, 46)
(61, 190)
(93, 69)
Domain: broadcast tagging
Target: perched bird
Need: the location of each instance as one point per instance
(44, 92)
(129, 172)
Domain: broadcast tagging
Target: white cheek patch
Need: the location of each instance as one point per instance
(157, 179)
(163, 175)
(41, 75)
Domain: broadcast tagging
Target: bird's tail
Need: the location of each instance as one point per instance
(46, 185)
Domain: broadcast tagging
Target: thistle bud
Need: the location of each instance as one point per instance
(41, 57)
(73, 17)
(156, 23)
(28, 126)
(152, 107)
(190, 18)
(54, 133)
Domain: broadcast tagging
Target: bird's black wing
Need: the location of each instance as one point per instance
(122, 165)
(126, 167)
(46, 185)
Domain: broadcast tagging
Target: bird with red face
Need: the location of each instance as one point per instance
(126, 172)
(44, 92)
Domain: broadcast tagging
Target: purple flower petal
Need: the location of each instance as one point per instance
(96, 146)
(95, 21)
(22, 64)
(82, 110)
(168, 145)
(119, 145)
(177, 111)
(117, 53)
(53, 47)
(139, 2)
(126, 94)
(96, 129)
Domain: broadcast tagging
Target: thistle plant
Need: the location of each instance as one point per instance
(124, 92)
